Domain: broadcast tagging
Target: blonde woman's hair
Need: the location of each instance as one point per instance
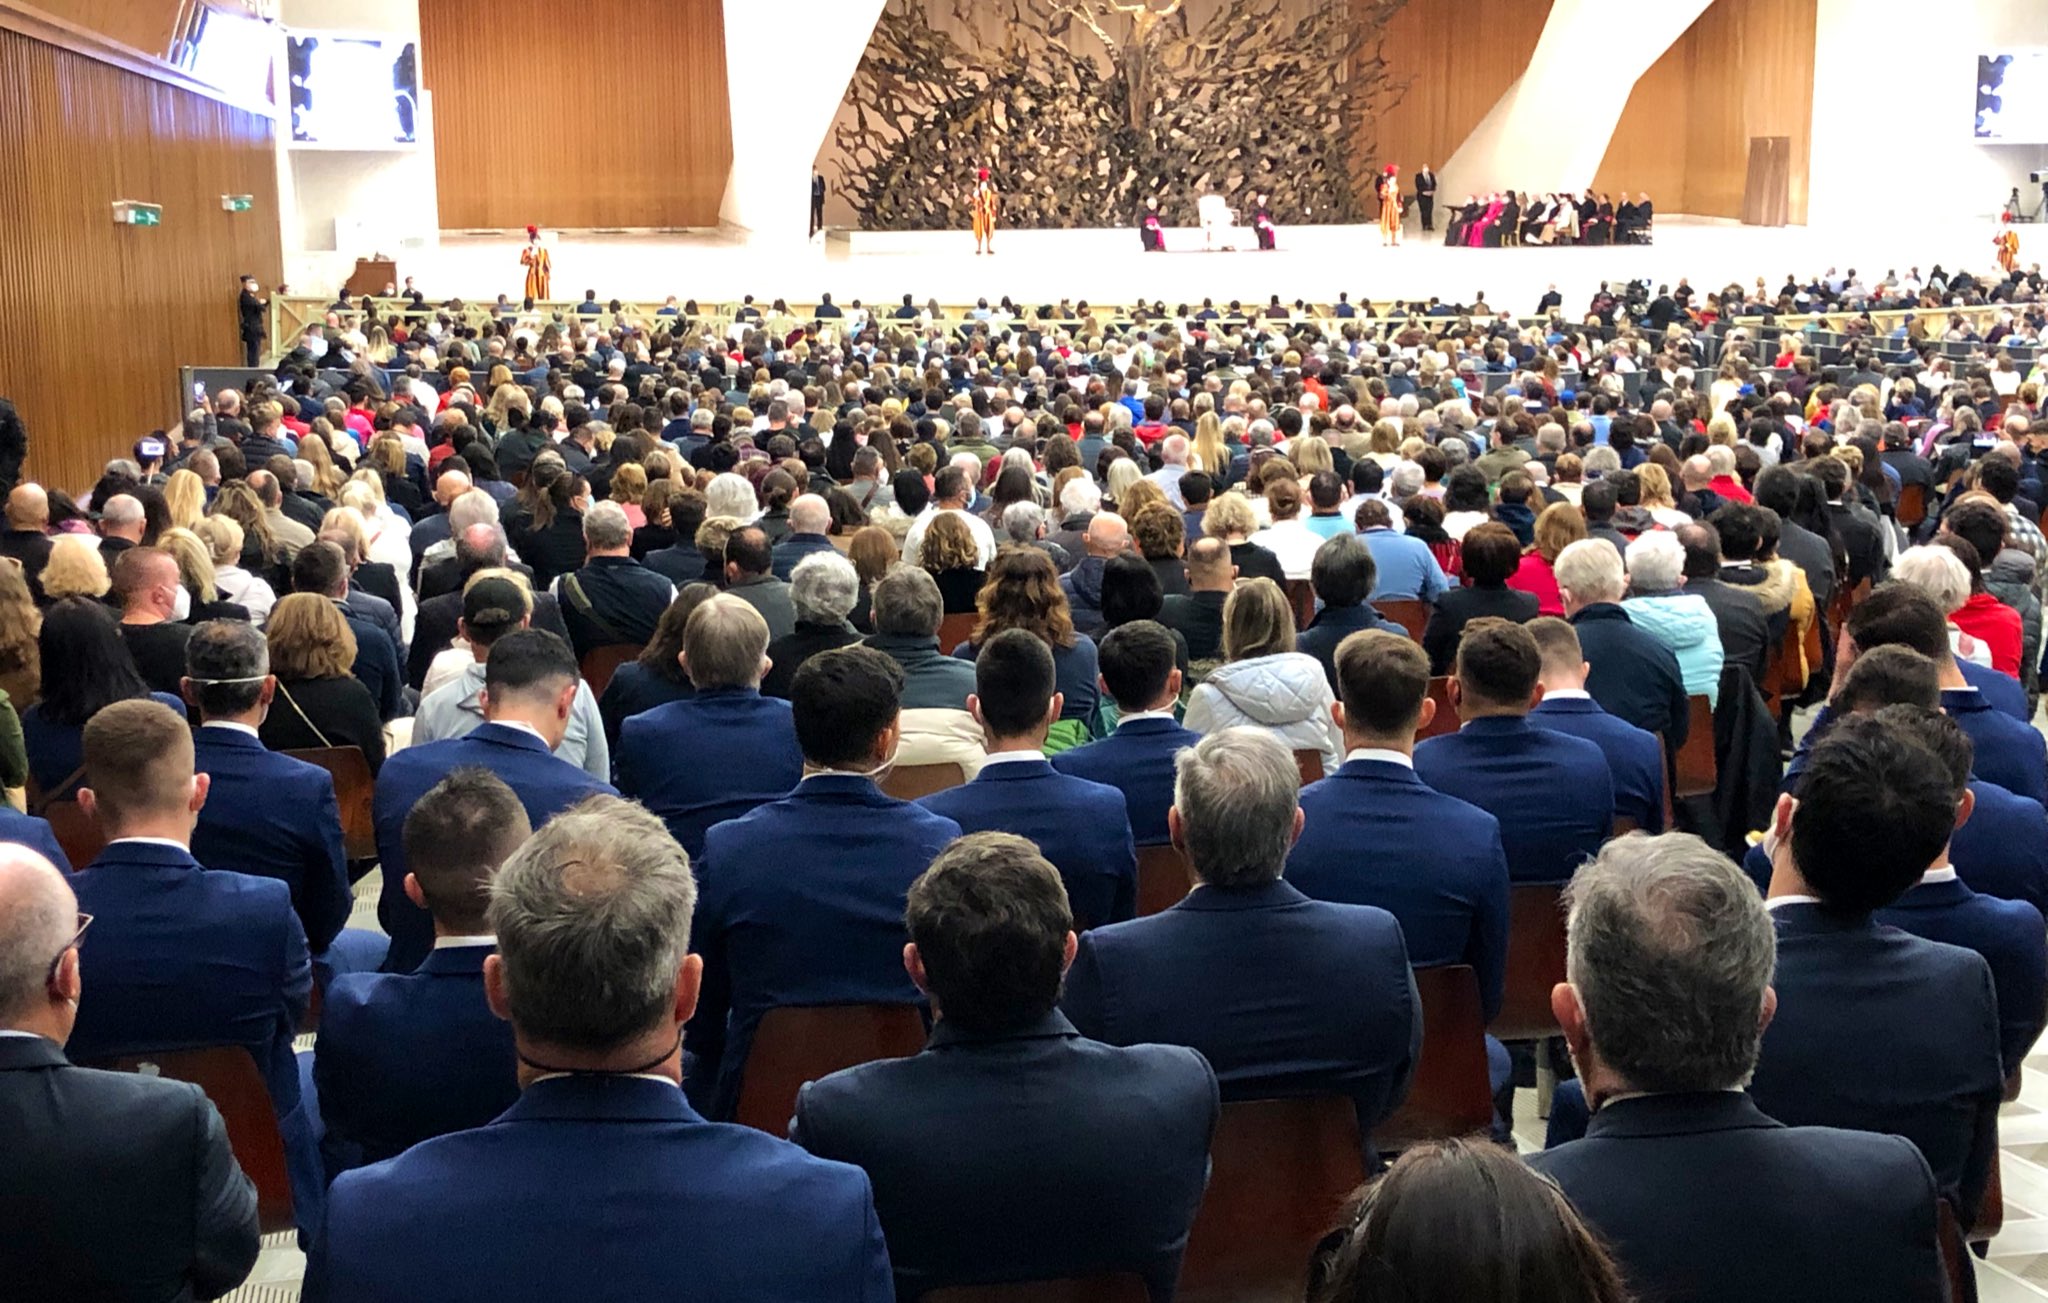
(1228, 514)
(309, 639)
(195, 561)
(75, 569)
(185, 498)
(1257, 621)
(223, 539)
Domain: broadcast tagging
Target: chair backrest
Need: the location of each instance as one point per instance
(1535, 962)
(1124, 1287)
(77, 832)
(1410, 614)
(355, 791)
(799, 1043)
(956, 629)
(1446, 720)
(1623, 826)
(1694, 771)
(1301, 595)
(228, 1075)
(1280, 1171)
(1309, 762)
(1163, 878)
(908, 782)
(600, 663)
(1912, 505)
(1451, 1094)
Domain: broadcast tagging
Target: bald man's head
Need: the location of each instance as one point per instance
(38, 970)
(1107, 535)
(28, 507)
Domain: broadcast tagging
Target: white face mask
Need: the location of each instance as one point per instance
(181, 604)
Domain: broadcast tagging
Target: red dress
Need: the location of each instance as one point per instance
(1997, 626)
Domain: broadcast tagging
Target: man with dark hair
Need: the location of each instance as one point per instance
(1860, 534)
(1746, 636)
(1404, 566)
(1700, 1195)
(749, 576)
(1136, 667)
(1283, 995)
(1877, 1030)
(1196, 489)
(977, 1146)
(1374, 833)
(1552, 793)
(592, 921)
(830, 933)
(321, 568)
(1597, 502)
(1079, 825)
(530, 684)
(267, 814)
(405, 1057)
(1344, 575)
(227, 944)
(180, 1222)
(1778, 488)
(1635, 759)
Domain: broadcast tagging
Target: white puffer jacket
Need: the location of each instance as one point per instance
(1286, 693)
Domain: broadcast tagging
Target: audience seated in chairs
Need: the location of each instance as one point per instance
(1635, 760)
(1490, 556)
(476, 548)
(1264, 682)
(1633, 675)
(320, 704)
(592, 919)
(86, 667)
(655, 677)
(978, 1147)
(611, 598)
(936, 728)
(1137, 758)
(1343, 575)
(321, 570)
(146, 589)
(405, 1057)
(824, 588)
(1659, 605)
(832, 933)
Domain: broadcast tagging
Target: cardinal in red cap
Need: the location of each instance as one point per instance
(539, 271)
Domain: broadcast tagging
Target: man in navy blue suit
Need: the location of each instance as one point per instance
(1877, 1030)
(1343, 573)
(181, 955)
(1135, 664)
(530, 687)
(601, 1176)
(718, 754)
(1632, 674)
(977, 1146)
(1282, 994)
(267, 814)
(1079, 825)
(1552, 793)
(1700, 1194)
(1373, 833)
(803, 897)
(404, 1057)
(27, 830)
(1941, 907)
(1635, 759)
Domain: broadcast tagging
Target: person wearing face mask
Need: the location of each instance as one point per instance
(153, 605)
(831, 933)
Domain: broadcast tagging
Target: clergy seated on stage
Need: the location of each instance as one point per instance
(979, 1146)
(592, 920)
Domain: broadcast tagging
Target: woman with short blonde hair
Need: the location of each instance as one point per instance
(223, 540)
(184, 498)
(320, 703)
(75, 568)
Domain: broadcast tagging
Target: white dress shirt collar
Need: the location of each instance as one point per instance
(1011, 757)
(1776, 902)
(522, 726)
(230, 724)
(1566, 694)
(1381, 754)
(1946, 873)
(1136, 715)
(151, 841)
(458, 943)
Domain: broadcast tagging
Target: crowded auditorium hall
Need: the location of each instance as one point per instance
(1466, 729)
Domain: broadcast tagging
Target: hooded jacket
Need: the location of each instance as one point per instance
(2010, 577)
(1285, 693)
(1083, 587)
(1683, 622)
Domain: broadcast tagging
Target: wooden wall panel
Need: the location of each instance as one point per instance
(146, 25)
(589, 114)
(1458, 57)
(99, 317)
(1745, 68)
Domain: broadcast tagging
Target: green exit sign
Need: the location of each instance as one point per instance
(133, 212)
(237, 203)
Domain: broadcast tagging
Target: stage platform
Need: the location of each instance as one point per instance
(1107, 265)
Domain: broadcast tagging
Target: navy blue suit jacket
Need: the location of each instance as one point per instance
(1635, 760)
(1332, 625)
(27, 830)
(2012, 754)
(2003, 691)
(1282, 994)
(1137, 759)
(2007, 933)
(1703, 1198)
(512, 1212)
(794, 549)
(274, 817)
(1552, 793)
(1634, 675)
(405, 1057)
(1079, 825)
(1375, 834)
(1878, 1030)
(708, 758)
(800, 902)
(2003, 850)
(544, 784)
(1028, 1155)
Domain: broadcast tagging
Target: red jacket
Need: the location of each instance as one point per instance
(1997, 626)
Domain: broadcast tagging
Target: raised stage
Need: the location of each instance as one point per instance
(1107, 265)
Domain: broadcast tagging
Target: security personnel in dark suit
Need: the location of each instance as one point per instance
(1634, 676)
(1552, 793)
(978, 1146)
(118, 1185)
(1425, 196)
(1079, 825)
(1699, 1193)
(1876, 1029)
(802, 898)
(1635, 759)
(1136, 665)
(1283, 995)
(404, 1057)
(530, 684)
(1374, 833)
(251, 311)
